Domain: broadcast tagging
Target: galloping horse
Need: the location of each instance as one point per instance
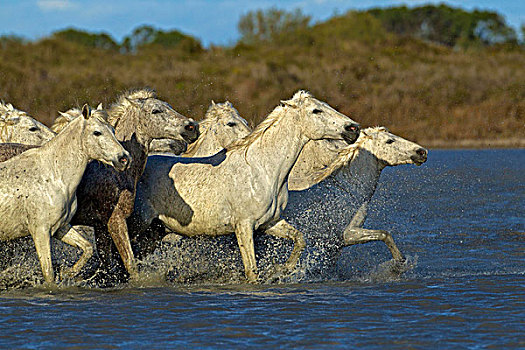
(38, 187)
(105, 197)
(330, 187)
(221, 126)
(244, 188)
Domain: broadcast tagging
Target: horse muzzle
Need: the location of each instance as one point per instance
(191, 132)
(351, 133)
(123, 162)
(420, 156)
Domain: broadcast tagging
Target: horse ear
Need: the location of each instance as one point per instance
(86, 111)
(99, 107)
(288, 103)
(212, 102)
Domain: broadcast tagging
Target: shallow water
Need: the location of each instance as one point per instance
(460, 219)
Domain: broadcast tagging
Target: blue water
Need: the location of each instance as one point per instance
(460, 218)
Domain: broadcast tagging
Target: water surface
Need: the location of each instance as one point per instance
(460, 219)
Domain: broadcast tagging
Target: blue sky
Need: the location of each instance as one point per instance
(210, 21)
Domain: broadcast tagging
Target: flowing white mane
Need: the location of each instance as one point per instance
(7, 113)
(71, 114)
(65, 118)
(273, 118)
(122, 108)
(7, 110)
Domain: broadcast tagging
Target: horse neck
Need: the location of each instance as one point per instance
(65, 155)
(139, 156)
(206, 145)
(361, 175)
(134, 141)
(127, 127)
(314, 157)
(277, 149)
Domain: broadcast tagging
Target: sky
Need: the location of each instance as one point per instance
(211, 21)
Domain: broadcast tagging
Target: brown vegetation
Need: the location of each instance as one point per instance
(420, 90)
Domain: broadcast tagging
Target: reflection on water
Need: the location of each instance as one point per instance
(459, 218)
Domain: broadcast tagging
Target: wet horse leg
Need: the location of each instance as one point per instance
(118, 229)
(283, 229)
(71, 236)
(244, 234)
(355, 234)
(42, 239)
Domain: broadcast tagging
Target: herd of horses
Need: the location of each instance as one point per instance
(143, 177)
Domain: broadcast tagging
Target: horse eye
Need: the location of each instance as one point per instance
(156, 111)
(231, 124)
(317, 111)
(33, 129)
(97, 133)
(389, 141)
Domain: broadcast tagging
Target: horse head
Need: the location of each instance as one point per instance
(224, 122)
(99, 141)
(320, 121)
(18, 127)
(392, 150)
(156, 119)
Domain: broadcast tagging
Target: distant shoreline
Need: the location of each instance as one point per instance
(474, 143)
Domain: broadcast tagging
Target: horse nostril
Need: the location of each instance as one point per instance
(421, 152)
(123, 160)
(352, 127)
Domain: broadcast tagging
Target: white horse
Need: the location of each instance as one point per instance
(330, 186)
(337, 197)
(18, 127)
(243, 189)
(38, 187)
(221, 126)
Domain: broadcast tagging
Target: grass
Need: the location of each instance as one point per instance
(418, 90)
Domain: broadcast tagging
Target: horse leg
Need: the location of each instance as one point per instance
(358, 235)
(148, 240)
(69, 235)
(42, 239)
(355, 234)
(244, 234)
(118, 229)
(283, 229)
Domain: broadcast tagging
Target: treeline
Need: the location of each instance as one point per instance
(431, 72)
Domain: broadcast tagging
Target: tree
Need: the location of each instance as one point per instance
(266, 25)
(145, 36)
(447, 25)
(99, 41)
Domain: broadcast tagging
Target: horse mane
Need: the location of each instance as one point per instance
(270, 120)
(348, 154)
(124, 114)
(73, 113)
(5, 108)
(65, 118)
(6, 111)
(211, 117)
